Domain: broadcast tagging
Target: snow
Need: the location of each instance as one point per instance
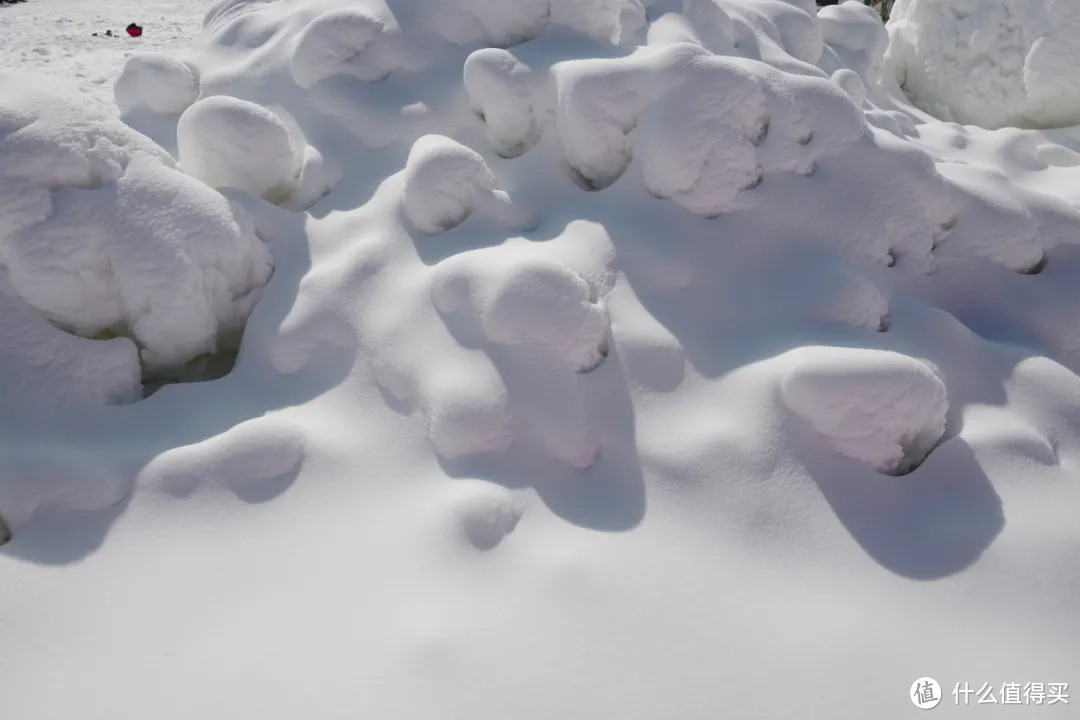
(101, 233)
(158, 82)
(593, 358)
(990, 62)
(228, 142)
(883, 408)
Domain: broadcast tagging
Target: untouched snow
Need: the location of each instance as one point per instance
(990, 62)
(56, 37)
(623, 359)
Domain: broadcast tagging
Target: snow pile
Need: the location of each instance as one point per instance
(536, 305)
(445, 181)
(100, 233)
(691, 280)
(227, 142)
(157, 82)
(883, 408)
(990, 62)
(45, 370)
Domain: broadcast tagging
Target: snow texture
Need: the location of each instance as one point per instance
(883, 408)
(157, 82)
(630, 333)
(231, 143)
(990, 62)
(99, 232)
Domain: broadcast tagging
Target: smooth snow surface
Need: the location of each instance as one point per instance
(637, 359)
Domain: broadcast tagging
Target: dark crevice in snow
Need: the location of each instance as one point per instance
(1038, 267)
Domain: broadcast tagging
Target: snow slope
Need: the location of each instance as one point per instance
(620, 359)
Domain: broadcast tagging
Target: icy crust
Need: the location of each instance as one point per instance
(990, 62)
(99, 232)
(883, 408)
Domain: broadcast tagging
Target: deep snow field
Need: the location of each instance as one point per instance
(635, 359)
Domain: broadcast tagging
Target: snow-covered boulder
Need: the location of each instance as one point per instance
(883, 408)
(158, 82)
(990, 62)
(99, 232)
(228, 142)
(501, 91)
(446, 181)
(531, 303)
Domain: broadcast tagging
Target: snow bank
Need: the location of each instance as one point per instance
(158, 82)
(99, 232)
(883, 408)
(228, 142)
(990, 62)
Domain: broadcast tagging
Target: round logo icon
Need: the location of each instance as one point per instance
(925, 693)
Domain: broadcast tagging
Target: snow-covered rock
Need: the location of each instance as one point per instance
(158, 82)
(535, 304)
(881, 407)
(357, 41)
(446, 181)
(99, 232)
(228, 142)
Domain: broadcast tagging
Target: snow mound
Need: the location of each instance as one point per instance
(855, 39)
(446, 181)
(357, 41)
(158, 82)
(228, 142)
(100, 233)
(485, 513)
(255, 460)
(530, 303)
(880, 407)
(501, 91)
(990, 62)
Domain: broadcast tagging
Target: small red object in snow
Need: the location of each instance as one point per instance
(134, 30)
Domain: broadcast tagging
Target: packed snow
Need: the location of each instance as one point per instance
(536, 358)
